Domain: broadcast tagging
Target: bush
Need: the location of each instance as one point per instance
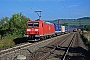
(86, 42)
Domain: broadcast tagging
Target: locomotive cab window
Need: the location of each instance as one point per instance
(30, 24)
(36, 24)
(33, 24)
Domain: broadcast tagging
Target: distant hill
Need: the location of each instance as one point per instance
(77, 22)
(84, 18)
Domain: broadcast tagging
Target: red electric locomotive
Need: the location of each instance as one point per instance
(38, 29)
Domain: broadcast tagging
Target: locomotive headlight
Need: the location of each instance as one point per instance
(36, 29)
(28, 30)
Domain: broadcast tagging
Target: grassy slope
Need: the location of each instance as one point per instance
(86, 39)
(7, 41)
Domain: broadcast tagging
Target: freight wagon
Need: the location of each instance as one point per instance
(66, 29)
(62, 29)
(57, 29)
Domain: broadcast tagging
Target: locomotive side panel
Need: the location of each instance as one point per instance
(45, 29)
(50, 27)
(40, 32)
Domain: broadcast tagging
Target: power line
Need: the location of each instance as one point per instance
(32, 8)
(21, 4)
(68, 11)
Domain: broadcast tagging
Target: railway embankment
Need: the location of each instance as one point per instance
(85, 35)
(11, 40)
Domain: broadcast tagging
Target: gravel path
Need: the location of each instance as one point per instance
(78, 51)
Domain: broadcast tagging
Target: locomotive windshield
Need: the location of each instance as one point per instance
(30, 24)
(36, 24)
(33, 24)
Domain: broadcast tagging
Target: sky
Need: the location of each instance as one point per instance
(51, 9)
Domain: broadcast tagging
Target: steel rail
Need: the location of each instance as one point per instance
(10, 50)
(64, 56)
(51, 51)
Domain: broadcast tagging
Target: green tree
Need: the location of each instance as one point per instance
(15, 25)
(18, 23)
(87, 28)
(4, 23)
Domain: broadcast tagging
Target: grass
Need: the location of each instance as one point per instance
(7, 41)
(86, 39)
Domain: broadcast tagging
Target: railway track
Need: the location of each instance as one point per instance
(19, 47)
(15, 48)
(78, 51)
(57, 48)
(61, 52)
(75, 50)
(44, 52)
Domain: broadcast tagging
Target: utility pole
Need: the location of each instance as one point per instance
(81, 26)
(39, 14)
(80, 23)
(58, 21)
